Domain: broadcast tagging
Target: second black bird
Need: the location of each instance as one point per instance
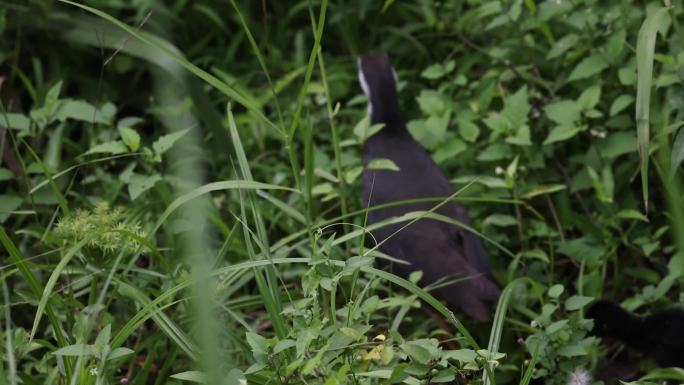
(658, 336)
(437, 248)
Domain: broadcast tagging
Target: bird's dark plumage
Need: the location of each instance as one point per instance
(659, 336)
(437, 248)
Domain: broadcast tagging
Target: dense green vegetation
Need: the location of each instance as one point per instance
(180, 193)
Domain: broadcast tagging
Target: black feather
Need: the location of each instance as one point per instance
(658, 336)
(437, 248)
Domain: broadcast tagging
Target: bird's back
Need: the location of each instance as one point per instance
(437, 248)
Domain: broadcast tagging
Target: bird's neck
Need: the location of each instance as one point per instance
(384, 109)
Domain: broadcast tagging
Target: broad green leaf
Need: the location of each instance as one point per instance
(590, 97)
(114, 147)
(192, 376)
(138, 184)
(5, 174)
(382, 164)
(120, 352)
(433, 102)
(468, 130)
(8, 203)
(521, 138)
(77, 350)
(555, 291)
(564, 112)
(501, 220)
(84, 111)
(438, 70)
(588, 67)
(577, 302)
(562, 45)
(619, 104)
(130, 137)
(617, 144)
(631, 214)
(561, 133)
(517, 107)
(52, 97)
(258, 343)
(164, 143)
(15, 121)
(364, 130)
(449, 150)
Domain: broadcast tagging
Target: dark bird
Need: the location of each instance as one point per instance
(439, 249)
(658, 336)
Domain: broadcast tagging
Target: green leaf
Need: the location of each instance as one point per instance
(164, 143)
(120, 352)
(462, 355)
(52, 96)
(103, 338)
(516, 108)
(5, 174)
(522, 137)
(468, 130)
(382, 164)
(501, 220)
(138, 184)
(192, 376)
(617, 144)
(583, 249)
(438, 70)
(15, 121)
(8, 203)
(258, 343)
(561, 133)
(564, 112)
(562, 45)
(283, 345)
(588, 67)
(556, 326)
(604, 185)
(536, 254)
(130, 137)
(432, 102)
(619, 104)
(645, 51)
(590, 97)
(631, 214)
(555, 291)
(84, 112)
(76, 350)
(114, 147)
(363, 129)
(352, 333)
(544, 189)
(677, 155)
(450, 149)
(577, 302)
(417, 352)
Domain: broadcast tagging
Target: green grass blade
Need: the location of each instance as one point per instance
(207, 77)
(645, 51)
(268, 286)
(47, 291)
(500, 317)
(19, 261)
(209, 187)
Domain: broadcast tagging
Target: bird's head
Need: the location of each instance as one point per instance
(379, 82)
(611, 320)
